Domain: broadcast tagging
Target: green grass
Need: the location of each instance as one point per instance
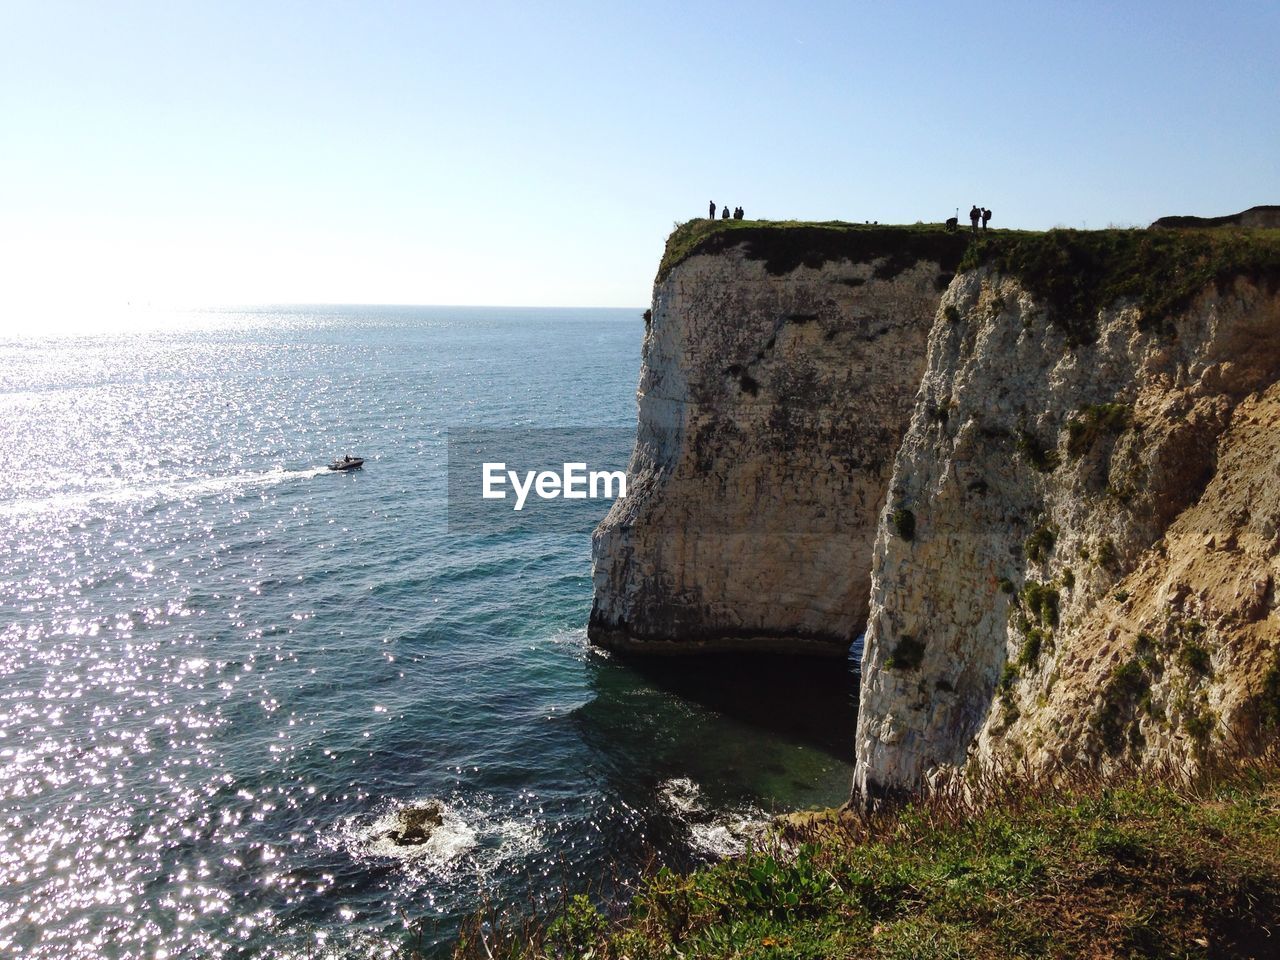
(1074, 273)
(786, 244)
(1142, 867)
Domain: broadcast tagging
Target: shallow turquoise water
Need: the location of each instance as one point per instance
(221, 667)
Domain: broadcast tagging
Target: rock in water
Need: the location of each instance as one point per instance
(416, 825)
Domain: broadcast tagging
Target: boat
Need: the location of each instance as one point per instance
(347, 463)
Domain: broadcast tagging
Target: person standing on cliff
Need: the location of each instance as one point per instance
(974, 214)
(986, 215)
(724, 214)
(711, 210)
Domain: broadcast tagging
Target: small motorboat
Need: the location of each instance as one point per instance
(347, 463)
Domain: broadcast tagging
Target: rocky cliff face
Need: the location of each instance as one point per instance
(1090, 573)
(773, 395)
(1050, 492)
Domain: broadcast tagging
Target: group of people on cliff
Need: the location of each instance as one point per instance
(976, 214)
(738, 213)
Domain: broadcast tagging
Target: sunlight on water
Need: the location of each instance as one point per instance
(223, 668)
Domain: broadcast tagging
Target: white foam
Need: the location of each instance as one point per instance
(720, 833)
(447, 842)
(682, 794)
(469, 838)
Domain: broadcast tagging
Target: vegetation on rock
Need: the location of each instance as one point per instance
(904, 523)
(1074, 273)
(787, 244)
(1092, 421)
(907, 654)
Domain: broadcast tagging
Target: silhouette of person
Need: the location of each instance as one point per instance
(986, 215)
(724, 214)
(974, 214)
(711, 210)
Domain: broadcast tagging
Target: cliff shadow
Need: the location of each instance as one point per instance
(771, 732)
(809, 700)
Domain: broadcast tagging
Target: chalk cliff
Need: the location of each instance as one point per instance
(1049, 492)
(779, 372)
(1090, 573)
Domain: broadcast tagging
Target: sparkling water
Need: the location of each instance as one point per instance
(223, 667)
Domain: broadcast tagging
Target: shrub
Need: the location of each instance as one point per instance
(1124, 690)
(1269, 697)
(904, 523)
(951, 313)
(1194, 658)
(1008, 677)
(1041, 600)
(1029, 655)
(1041, 457)
(1094, 420)
(1040, 544)
(578, 927)
(907, 654)
(1199, 722)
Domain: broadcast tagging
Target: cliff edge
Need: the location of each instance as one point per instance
(779, 370)
(1089, 575)
(1038, 469)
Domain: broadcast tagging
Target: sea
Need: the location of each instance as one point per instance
(224, 668)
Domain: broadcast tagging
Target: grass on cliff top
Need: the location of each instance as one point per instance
(1075, 273)
(1148, 867)
(787, 244)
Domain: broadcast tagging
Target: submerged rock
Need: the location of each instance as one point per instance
(416, 825)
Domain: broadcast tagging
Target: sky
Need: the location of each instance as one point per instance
(533, 153)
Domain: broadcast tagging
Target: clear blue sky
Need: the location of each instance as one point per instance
(528, 153)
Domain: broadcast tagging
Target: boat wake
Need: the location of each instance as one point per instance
(175, 490)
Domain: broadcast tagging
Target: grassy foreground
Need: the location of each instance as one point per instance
(1152, 867)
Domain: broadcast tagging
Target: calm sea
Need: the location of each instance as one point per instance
(223, 668)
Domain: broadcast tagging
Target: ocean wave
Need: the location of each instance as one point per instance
(472, 837)
(712, 833)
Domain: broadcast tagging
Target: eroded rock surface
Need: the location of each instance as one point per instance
(770, 407)
(1090, 575)
(1050, 492)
